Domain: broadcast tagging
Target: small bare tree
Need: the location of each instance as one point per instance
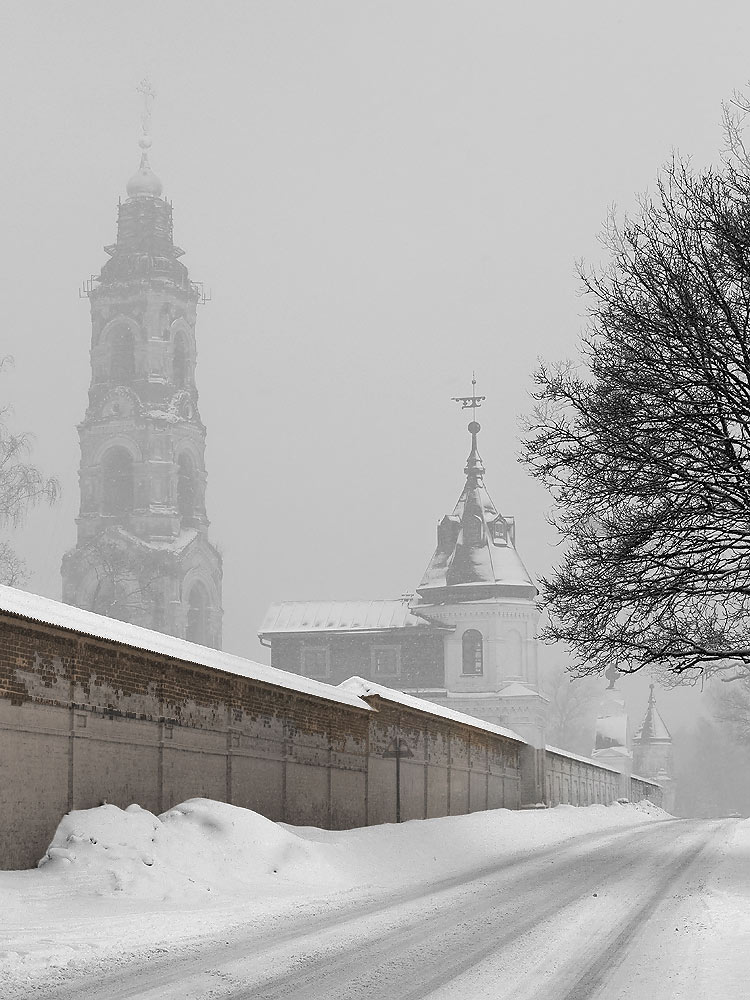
(646, 447)
(22, 485)
(571, 713)
(129, 576)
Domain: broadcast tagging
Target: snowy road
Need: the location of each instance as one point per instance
(615, 914)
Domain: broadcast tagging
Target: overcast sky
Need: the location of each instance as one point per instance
(381, 196)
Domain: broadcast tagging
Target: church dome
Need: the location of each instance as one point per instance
(144, 181)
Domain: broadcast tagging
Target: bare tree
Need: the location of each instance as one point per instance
(732, 708)
(571, 713)
(22, 485)
(646, 447)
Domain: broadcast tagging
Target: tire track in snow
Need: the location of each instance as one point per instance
(590, 982)
(383, 963)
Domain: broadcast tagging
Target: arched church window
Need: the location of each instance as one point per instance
(122, 356)
(186, 490)
(197, 616)
(117, 482)
(180, 362)
(472, 661)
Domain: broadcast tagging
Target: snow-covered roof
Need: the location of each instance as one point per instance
(42, 609)
(339, 616)
(517, 690)
(365, 688)
(584, 760)
(596, 763)
(650, 781)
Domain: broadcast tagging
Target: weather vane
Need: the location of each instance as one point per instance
(148, 94)
(473, 401)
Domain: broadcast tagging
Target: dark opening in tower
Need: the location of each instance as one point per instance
(197, 617)
(180, 362)
(122, 355)
(186, 490)
(118, 487)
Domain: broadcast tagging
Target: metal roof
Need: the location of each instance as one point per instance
(339, 616)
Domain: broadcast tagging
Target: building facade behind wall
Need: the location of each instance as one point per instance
(142, 552)
(466, 640)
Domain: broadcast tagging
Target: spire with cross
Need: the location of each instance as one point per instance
(473, 401)
(148, 94)
(145, 181)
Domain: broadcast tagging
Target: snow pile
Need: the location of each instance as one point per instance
(199, 846)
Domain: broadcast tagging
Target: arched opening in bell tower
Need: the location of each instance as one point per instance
(197, 615)
(180, 362)
(122, 356)
(186, 490)
(118, 485)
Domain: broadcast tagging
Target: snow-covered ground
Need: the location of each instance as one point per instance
(124, 900)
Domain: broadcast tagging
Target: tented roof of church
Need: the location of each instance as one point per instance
(476, 555)
(653, 729)
(339, 616)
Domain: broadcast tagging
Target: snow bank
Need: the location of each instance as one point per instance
(199, 846)
(204, 846)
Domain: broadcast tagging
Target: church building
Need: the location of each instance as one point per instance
(466, 641)
(142, 553)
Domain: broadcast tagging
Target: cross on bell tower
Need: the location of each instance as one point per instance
(143, 553)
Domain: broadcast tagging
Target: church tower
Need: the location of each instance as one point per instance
(142, 553)
(652, 751)
(477, 589)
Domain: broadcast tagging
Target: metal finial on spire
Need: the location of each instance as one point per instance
(473, 401)
(474, 462)
(148, 94)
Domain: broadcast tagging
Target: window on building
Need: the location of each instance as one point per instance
(385, 661)
(473, 652)
(499, 533)
(315, 661)
(118, 487)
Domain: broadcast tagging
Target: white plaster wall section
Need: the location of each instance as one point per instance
(47, 680)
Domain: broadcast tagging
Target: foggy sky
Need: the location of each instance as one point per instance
(381, 197)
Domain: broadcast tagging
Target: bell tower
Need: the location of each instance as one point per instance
(142, 553)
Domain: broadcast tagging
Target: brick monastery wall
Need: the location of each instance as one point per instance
(85, 719)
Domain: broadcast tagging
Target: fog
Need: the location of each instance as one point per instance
(382, 197)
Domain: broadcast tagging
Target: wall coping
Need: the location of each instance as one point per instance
(21, 604)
